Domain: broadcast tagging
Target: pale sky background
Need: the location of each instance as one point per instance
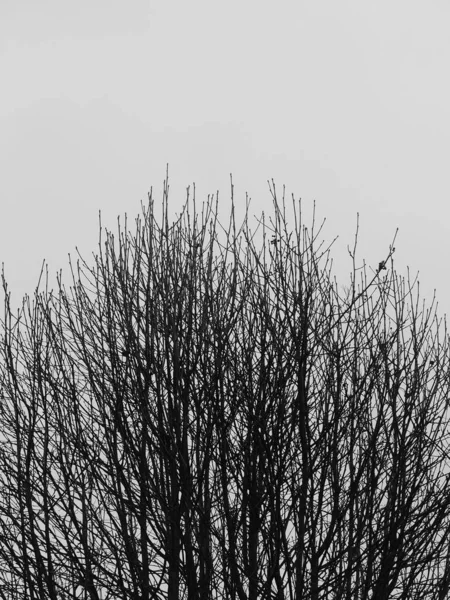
(346, 103)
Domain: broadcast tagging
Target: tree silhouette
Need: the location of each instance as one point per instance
(200, 415)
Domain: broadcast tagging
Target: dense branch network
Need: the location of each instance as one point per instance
(200, 416)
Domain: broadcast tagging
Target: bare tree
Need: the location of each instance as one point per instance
(202, 415)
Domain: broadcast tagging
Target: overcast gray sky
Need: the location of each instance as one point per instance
(346, 103)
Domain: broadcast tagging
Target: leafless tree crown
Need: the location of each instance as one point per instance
(202, 415)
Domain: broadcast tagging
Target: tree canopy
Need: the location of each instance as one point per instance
(200, 414)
